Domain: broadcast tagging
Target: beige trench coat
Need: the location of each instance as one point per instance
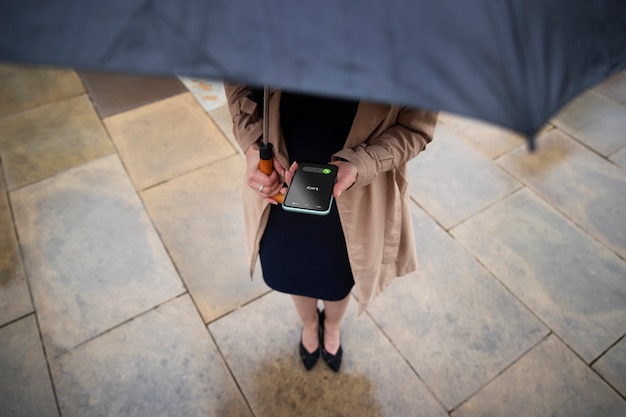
(374, 212)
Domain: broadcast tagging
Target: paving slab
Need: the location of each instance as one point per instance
(572, 282)
(453, 181)
(26, 87)
(92, 256)
(162, 363)
(594, 120)
(165, 139)
(619, 158)
(549, 381)
(14, 295)
(614, 87)
(208, 93)
(44, 141)
(612, 366)
(490, 139)
(200, 219)
(578, 182)
(212, 97)
(26, 385)
(260, 344)
(455, 324)
(116, 93)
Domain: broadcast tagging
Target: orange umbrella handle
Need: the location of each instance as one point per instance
(266, 166)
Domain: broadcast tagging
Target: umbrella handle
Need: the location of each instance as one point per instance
(265, 162)
(266, 166)
(266, 153)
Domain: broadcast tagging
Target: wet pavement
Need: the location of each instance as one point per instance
(124, 288)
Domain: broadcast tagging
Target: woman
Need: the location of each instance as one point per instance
(367, 239)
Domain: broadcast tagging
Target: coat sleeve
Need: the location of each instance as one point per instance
(247, 125)
(394, 147)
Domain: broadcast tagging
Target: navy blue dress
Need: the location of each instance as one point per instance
(305, 254)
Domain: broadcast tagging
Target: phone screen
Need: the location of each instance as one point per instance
(311, 189)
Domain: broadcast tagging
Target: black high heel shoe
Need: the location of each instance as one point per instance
(309, 359)
(333, 361)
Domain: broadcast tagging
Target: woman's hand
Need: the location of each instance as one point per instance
(266, 186)
(346, 176)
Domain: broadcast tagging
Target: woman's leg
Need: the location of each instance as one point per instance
(307, 310)
(334, 311)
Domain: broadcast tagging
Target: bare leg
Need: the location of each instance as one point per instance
(334, 311)
(307, 310)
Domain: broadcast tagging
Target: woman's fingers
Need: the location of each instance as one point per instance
(290, 173)
(278, 168)
(346, 176)
(265, 185)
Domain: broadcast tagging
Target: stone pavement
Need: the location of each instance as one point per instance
(124, 289)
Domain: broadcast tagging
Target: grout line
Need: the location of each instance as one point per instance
(230, 371)
(531, 310)
(585, 230)
(221, 353)
(15, 320)
(524, 304)
(502, 371)
(46, 103)
(139, 192)
(20, 251)
(182, 174)
(124, 322)
(239, 307)
(487, 207)
(597, 372)
(619, 339)
(406, 361)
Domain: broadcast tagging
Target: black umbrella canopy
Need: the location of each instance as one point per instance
(514, 63)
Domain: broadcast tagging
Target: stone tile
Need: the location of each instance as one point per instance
(209, 94)
(594, 120)
(262, 353)
(92, 255)
(26, 386)
(165, 139)
(14, 296)
(548, 381)
(25, 87)
(572, 282)
(199, 217)
(162, 363)
(49, 139)
(577, 182)
(619, 157)
(612, 366)
(455, 324)
(490, 139)
(614, 87)
(453, 181)
(116, 93)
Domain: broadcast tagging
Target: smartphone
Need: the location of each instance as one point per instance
(311, 189)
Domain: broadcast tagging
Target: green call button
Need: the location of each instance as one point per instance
(326, 171)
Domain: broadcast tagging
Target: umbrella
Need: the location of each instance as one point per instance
(511, 62)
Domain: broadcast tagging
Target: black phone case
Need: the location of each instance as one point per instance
(311, 189)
